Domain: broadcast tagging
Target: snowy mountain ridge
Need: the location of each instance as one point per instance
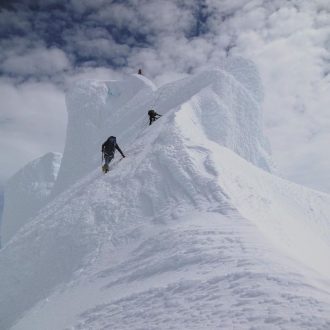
(99, 109)
(184, 233)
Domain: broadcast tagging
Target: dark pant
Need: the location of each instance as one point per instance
(151, 119)
(108, 158)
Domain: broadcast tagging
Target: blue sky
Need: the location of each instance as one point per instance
(47, 44)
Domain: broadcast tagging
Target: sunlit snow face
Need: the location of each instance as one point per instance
(289, 41)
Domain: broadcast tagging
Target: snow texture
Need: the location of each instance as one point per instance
(230, 97)
(27, 192)
(1, 204)
(1, 210)
(186, 232)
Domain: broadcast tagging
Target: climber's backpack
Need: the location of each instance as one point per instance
(152, 113)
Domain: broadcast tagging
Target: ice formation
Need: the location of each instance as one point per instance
(28, 191)
(189, 231)
(99, 109)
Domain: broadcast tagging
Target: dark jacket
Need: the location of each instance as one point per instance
(153, 115)
(109, 148)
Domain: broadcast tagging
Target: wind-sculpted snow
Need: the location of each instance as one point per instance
(184, 233)
(160, 243)
(27, 191)
(231, 95)
(289, 215)
(246, 73)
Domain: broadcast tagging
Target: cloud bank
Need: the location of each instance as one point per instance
(46, 44)
(32, 122)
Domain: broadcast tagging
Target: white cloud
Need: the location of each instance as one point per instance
(36, 62)
(32, 122)
(81, 6)
(101, 73)
(9, 21)
(291, 53)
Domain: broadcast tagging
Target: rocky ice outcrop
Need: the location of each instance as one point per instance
(27, 191)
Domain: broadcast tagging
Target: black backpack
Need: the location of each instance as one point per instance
(152, 113)
(110, 145)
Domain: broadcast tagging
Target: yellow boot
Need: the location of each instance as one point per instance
(105, 168)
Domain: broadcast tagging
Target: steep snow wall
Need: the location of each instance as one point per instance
(230, 115)
(27, 191)
(96, 110)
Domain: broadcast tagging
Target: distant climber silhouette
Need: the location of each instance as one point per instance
(140, 71)
(153, 116)
(108, 152)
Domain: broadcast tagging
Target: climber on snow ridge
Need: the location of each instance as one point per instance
(108, 151)
(153, 115)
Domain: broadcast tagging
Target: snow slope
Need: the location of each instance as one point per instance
(174, 243)
(184, 233)
(27, 191)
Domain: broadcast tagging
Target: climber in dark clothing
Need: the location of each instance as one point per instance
(153, 115)
(108, 151)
